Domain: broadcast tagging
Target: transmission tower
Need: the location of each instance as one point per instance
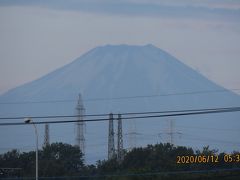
(171, 131)
(80, 140)
(46, 136)
(132, 134)
(111, 148)
(120, 140)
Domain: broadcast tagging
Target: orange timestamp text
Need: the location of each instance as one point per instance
(227, 158)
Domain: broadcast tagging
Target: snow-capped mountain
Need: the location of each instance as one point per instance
(124, 78)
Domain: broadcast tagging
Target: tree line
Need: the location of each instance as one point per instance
(159, 161)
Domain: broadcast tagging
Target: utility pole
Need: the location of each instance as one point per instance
(120, 140)
(30, 121)
(46, 136)
(111, 148)
(80, 140)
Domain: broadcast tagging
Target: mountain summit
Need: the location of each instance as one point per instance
(114, 71)
(122, 78)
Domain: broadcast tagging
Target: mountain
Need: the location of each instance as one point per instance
(118, 79)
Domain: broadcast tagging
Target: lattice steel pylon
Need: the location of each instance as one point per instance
(111, 147)
(171, 131)
(132, 134)
(46, 136)
(120, 139)
(80, 140)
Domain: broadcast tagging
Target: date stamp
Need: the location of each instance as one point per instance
(197, 159)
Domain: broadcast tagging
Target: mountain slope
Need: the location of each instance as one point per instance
(112, 72)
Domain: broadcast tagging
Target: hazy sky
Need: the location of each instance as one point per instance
(37, 37)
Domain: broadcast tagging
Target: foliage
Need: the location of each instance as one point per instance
(57, 159)
(151, 162)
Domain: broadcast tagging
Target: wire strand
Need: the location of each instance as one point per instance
(127, 113)
(122, 98)
(128, 118)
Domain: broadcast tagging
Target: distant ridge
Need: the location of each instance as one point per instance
(113, 71)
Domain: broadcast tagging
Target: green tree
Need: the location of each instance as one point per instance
(60, 159)
(57, 159)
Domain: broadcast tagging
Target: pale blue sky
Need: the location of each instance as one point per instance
(200, 9)
(37, 37)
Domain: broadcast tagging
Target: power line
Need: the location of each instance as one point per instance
(122, 98)
(207, 139)
(127, 113)
(146, 135)
(191, 137)
(177, 111)
(207, 128)
(51, 116)
(236, 109)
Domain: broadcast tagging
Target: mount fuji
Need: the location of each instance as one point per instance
(119, 79)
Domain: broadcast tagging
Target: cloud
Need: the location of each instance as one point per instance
(204, 9)
(224, 4)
